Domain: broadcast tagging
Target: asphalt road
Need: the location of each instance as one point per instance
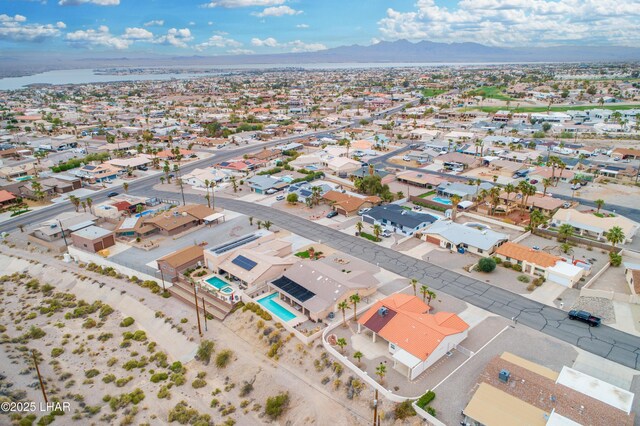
(604, 341)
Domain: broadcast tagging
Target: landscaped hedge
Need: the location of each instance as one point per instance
(425, 399)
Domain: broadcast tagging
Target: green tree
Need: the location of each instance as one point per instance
(599, 204)
(424, 290)
(455, 200)
(565, 231)
(267, 224)
(358, 356)
(292, 198)
(615, 236)
(355, 299)
(342, 342)
(125, 186)
(414, 284)
(486, 264)
(343, 306)
(359, 227)
(381, 371)
(377, 230)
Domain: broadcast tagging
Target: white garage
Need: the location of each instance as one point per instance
(565, 274)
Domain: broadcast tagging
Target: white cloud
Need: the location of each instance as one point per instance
(302, 26)
(518, 22)
(240, 51)
(291, 46)
(270, 42)
(242, 3)
(192, 23)
(277, 11)
(95, 2)
(137, 34)
(14, 28)
(218, 41)
(100, 37)
(154, 23)
(176, 37)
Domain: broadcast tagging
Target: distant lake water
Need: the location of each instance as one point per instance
(85, 76)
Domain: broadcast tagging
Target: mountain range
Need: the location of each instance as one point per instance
(401, 51)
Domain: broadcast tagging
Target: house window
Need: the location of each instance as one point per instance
(479, 250)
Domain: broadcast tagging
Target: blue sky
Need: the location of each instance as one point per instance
(269, 26)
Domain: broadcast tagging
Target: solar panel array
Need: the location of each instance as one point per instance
(244, 263)
(233, 244)
(294, 289)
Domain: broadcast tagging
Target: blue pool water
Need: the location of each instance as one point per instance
(217, 282)
(271, 306)
(23, 178)
(444, 201)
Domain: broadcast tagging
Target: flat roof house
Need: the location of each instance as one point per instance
(513, 391)
(251, 259)
(594, 226)
(315, 288)
(416, 338)
(93, 239)
(173, 264)
(454, 236)
(462, 190)
(394, 218)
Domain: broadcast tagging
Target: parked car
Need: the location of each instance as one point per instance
(143, 168)
(363, 211)
(406, 158)
(332, 214)
(566, 205)
(575, 186)
(533, 181)
(280, 198)
(386, 234)
(585, 316)
(112, 194)
(271, 191)
(417, 208)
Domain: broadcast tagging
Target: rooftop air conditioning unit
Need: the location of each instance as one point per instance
(504, 376)
(383, 311)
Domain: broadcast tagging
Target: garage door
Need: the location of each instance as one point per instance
(559, 279)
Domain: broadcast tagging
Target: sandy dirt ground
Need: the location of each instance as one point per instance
(89, 359)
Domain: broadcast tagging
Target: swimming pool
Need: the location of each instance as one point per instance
(444, 201)
(23, 178)
(216, 282)
(282, 313)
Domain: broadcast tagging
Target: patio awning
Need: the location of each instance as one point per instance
(406, 358)
(214, 217)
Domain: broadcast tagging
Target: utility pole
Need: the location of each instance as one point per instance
(195, 296)
(64, 237)
(35, 361)
(162, 276)
(375, 408)
(204, 309)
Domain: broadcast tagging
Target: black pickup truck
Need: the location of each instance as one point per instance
(584, 316)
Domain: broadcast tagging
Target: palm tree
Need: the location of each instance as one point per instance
(267, 224)
(509, 189)
(162, 179)
(208, 198)
(477, 182)
(234, 184)
(342, 342)
(536, 218)
(84, 206)
(377, 230)
(430, 296)
(546, 183)
(21, 227)
(343, 306)
(75, 201)
(359, 227)
(358, 356)
(455, 200)
(599, 203)
(259, 223)
(615, 236)
(414, 284)
(125, 186)
(355, 299)
(565, 231)
(250, 220)
(381, 370)
(424, 290)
